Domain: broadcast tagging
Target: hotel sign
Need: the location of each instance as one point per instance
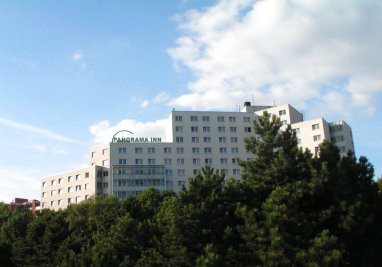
(117, 139)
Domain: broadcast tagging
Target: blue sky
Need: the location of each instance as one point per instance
(73, 72)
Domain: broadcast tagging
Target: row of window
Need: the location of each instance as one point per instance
(60, 202)
(207, 129)
(60, 191)
(138, 182)
(340, 138)
(195, 150)
(104, 152)
(194, 118)
(179, 161)
(61, 180)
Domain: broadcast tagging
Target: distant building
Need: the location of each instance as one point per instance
(23, 203)
(130, 164)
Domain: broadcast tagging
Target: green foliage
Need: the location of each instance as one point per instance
(289, 209)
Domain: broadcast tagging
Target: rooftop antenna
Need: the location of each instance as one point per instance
(253, 100)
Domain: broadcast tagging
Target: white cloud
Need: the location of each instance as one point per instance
(37, 130)
(103, 131)
(305, 52)
(161, 98)
(145, 103)
(17, 182)
(77, 55)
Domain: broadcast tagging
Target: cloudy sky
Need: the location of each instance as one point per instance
(74, 72)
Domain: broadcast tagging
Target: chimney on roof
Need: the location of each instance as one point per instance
(247, 104)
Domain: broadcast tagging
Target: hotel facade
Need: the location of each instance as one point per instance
(130, 164)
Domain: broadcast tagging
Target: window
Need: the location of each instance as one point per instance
(195, 150)
(297, 130)
(169, 184)
(138, 161)
(151, 150)
(167, 150)
(44, 184)
(223, 150)
(223, 161)
(60, 191)
(282, 112)
(196, 171)
(179, 139)
(181, 172)
(195, 139)
(78, 199)
(179, 150)
(53, 182)
(236, 171)
(86, 175)
(222, 139)
(78, 188)
(207, 139)
(316, 150)
(284, 122)
(194, 118)
(53, 203)
(181, 183)
(196, 161)
(315, 126)
(122, 161)
(234, 150)
(70, 189)
(167, 161)
(233, 161)
(122, 150)
(105, 162)
(69, 200)
(151, 161)
(179, 129)
(220, 118)
(225, 172)
(178, 118)
(232, 129)
(233, 139)
(246, 119)
(86, 186)
(78, 177)
(168, 172)
(93, 154)
(317, 137)
(138, 150)
(232, 119)
(61, 181)
(205, 118)
(44, 194)
(208, 161)
(206, 129)
(207, 150)
(105, 173)
(221, 129)
(104, 151)
(70, 179)
(194, 129)
(247, 129)
(180, 161)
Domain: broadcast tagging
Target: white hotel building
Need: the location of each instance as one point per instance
(198, 138)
